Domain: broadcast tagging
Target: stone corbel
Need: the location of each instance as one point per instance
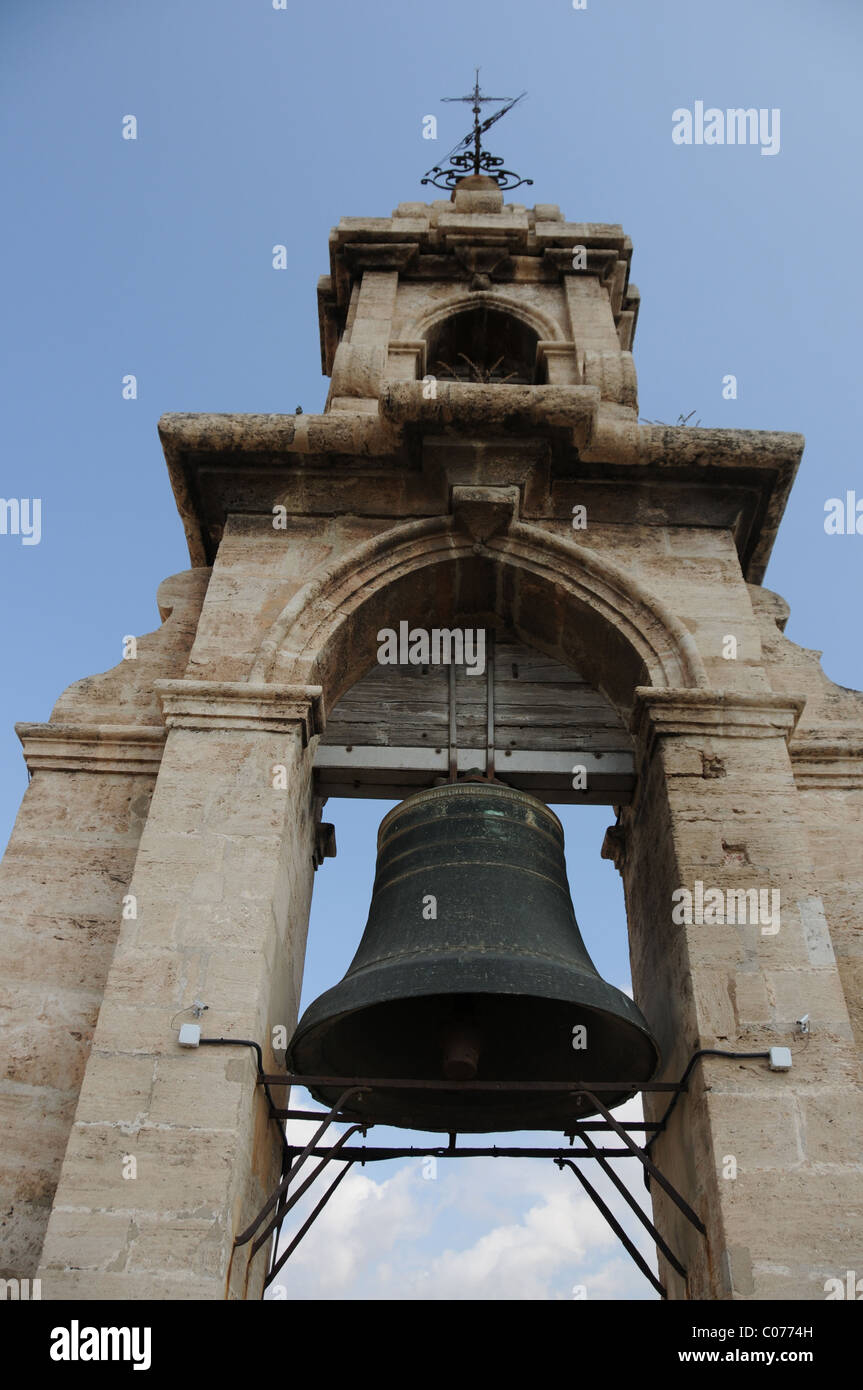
(613, 373)
(325, 843)
(614, 846)
(626, 329)
(358, 370)
(484, 511)
(242, 705)
(600, 262)
(617, 286)
(482, 262)
(331, 317)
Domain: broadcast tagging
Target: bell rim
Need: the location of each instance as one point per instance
(502, 1110)
(644, 1030)
(631, 1018)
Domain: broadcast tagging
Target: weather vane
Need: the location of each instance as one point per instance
(464, 160)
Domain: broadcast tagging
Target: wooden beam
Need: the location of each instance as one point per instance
(367, 770)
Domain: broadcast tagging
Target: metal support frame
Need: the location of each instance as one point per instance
(283, 1199)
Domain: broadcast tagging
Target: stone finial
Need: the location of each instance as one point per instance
(478, 193)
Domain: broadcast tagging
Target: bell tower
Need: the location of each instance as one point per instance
(479, 464)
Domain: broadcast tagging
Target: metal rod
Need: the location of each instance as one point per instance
(645, 1125)
(306, 1226)
(453, 733)
(563, 1158)
(651, 1167)
(684, 1081)
(283, 1209)
(379, 1154)
(489, 686)
(366, 1083)
(259, 1056)
(614, 1224)
(285, 1182)
(601, 1156)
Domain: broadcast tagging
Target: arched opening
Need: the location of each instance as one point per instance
(578, 610)
(483, 345)
(426, 1229)
(383, 1234)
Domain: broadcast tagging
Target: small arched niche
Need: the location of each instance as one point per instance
(483, 345)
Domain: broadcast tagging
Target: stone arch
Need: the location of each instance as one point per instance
(555, 594)
(544, 325)
(482, 344)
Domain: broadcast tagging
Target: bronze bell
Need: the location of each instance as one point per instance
(472, 967)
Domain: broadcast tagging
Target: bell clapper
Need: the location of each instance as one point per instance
(461, 1045)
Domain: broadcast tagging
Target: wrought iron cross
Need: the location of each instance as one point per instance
(463, 160)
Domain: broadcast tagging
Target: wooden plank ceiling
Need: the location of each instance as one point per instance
(390, 733)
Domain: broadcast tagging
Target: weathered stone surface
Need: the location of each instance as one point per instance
(62, 884)
(438, 499)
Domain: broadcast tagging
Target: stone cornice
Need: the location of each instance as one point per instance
(429, 229)
(241, 705)
(263, 444)
(765, 461)
(690, 713)
(126, 748)
(739, 479)
(829, 758)
(380, 255)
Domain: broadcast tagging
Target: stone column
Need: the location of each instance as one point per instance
(373, 323)
(172, 1151)
(770, 1160)
(591, 317)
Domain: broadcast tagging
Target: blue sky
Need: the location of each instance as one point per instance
(259, 126)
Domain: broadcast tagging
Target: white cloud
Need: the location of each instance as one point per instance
(483, 1229)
